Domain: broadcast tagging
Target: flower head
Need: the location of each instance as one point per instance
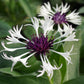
(59, 14)
(40, 44)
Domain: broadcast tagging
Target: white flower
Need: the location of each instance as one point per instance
(39, 44)
(47, 67)
(59, 14)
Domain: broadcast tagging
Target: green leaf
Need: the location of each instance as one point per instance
(79, 80)
(73, 69)
(81, 10)
(4, 27)
(26, 6)
(31, 7)
(35, 66)
(12, 5)
(6, 79)
(82, 48)
(29, 32)
(63, 62)
(8, 71)
(57, 77)
(35, 5)
(57, 60)
(82, 29)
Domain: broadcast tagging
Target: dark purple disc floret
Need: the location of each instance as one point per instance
(59, 18)
(40, 45)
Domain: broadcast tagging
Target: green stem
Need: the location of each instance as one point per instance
(51, 82)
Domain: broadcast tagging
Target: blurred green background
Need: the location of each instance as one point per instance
(13, 12)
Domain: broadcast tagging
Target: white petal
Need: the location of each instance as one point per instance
(6, 57)
(24, 60)
(46, 10)
(42, 72)
(71, 37)
(11, 49)
(14, 63)
(74, 18)
(57, 9)
(64, 8)
(17, 32)
(13, 40)
(69, 33)
(47, 67)
(14, 59)
(47, 25)
(66, 55)
(67, 29)
(57, 68)
(35, 24)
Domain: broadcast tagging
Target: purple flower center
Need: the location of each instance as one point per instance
(59, 18)
(40, 45)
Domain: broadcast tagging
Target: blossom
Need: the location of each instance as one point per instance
(38, 45)
(60, 14)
